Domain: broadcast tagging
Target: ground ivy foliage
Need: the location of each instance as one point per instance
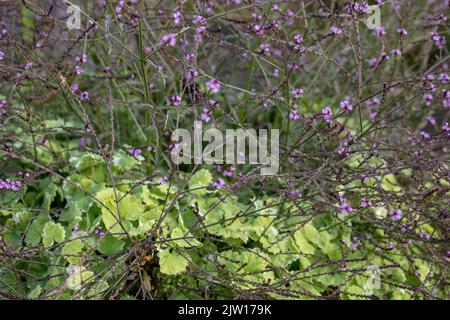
(92, 242)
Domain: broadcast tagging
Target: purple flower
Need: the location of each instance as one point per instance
(136, 152)
(327, 114)
(384, 56)
(365, 203)
(444, 77)
(423, 234)
(424, 135)
(2, 55)
(214, 85)
(265, 48)
(362, 7)
(335, 30)
(297, 93)
(446, 99)
(395, 214)
(345, 105)
(229, 172)
(83, 58)
(74, 87)
(148, 50)
(293, 115)
(192, 73)
(163, 180)
(84, 141)
(206, 115)
(379, 31)
(168, 39)
(292, 194)
(356, 243)
(428, 99)
(402, 31)
(177, 17)
(396, 52)
(345, 208)
(3, 103)
(198, 19)
(28, 65)
(446, 127)
(276, 72)
(75, 229)
(84, 96)
(293, 66)
(10, 185)
(99, 232)
(79, 70)
(298, 38)
(431, 120)
(175, 101)
(439, 41)
(219, 184)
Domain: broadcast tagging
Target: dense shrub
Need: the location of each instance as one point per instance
(92, 205)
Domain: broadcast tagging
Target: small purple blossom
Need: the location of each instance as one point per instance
(192, 74)
(297, 93)
(177, 17)
(444, 77)
(136, 152)
(229, 172)
(148, 50)
(344, 206)
(10, 185)
(198, 19)
(82, 58)
(384, 56)
(28, 65)
(175, 101)
(74, 87)
(424, 135)
(168, 39)
(206, 115)
(424, 235)
(298, 38)
(365, 203)
(219, 184)
(75, 229)
(395, 214)
(446, 99)
(293, 66)
(213, 85)
(396, 52)
(293, 114)
(379, 31)
(345, 105)
(428, 99)
(327, 114)
(84, 96)
(79, 70)
(446, 127)
(439, 41)
(402, 31)
(335, 30)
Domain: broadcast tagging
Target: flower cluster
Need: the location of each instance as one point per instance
(11, 185)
